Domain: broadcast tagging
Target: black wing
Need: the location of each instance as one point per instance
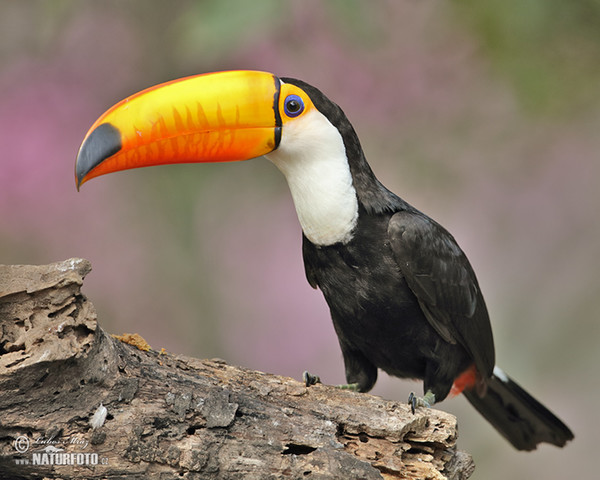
(441, 277)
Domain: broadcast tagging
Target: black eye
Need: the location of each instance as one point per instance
(293, 106)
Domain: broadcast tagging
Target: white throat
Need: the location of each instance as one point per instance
(312, 157)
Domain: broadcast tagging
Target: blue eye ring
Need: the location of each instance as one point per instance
(293, 105)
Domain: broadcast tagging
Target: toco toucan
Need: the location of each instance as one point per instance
(403, 296)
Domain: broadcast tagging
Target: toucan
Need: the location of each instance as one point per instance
(402, 294)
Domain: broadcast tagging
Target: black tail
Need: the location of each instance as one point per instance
(518, 416)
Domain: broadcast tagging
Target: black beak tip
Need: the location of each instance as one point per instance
(103, 142)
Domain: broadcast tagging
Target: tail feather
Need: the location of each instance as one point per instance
(519, 417)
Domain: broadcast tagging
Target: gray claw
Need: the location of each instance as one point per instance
(310, 379)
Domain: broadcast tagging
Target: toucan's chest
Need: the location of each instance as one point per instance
(361, 279)
(372, 308)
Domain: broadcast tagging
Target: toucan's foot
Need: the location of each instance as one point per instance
(426, 401)
(310, 379)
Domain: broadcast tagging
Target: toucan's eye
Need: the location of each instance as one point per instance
(293, 106)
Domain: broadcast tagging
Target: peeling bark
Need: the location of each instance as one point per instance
(158, 415)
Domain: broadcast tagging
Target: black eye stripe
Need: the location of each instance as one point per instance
(293, 105)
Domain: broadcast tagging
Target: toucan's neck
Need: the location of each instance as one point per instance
(329, 180)
(328, 175)
(319, 178)
(372, 195)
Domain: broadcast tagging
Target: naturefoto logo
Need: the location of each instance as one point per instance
(50, 451)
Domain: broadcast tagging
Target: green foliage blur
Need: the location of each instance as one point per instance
(547, 49)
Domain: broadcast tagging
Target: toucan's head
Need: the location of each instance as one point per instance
(239, 115)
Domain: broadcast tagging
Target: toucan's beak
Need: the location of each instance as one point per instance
(216, 117)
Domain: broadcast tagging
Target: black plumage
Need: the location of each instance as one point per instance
(404, 298)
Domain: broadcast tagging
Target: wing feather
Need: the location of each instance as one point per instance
(441, 277)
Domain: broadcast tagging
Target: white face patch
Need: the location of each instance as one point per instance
(312, 157)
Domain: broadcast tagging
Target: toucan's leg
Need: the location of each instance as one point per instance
(354, 387)
(425, 401)
(361, 374)
(436, 385)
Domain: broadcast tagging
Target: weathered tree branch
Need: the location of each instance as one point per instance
(169, 416)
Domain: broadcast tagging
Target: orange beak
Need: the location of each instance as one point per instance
(215, 117)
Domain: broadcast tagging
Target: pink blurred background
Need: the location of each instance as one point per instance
(484, 117)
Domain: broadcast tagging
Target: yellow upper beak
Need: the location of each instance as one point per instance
(215, 117)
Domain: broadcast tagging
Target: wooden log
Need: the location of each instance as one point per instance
(76, 402)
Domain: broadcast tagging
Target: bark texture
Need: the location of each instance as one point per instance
(76, 402)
